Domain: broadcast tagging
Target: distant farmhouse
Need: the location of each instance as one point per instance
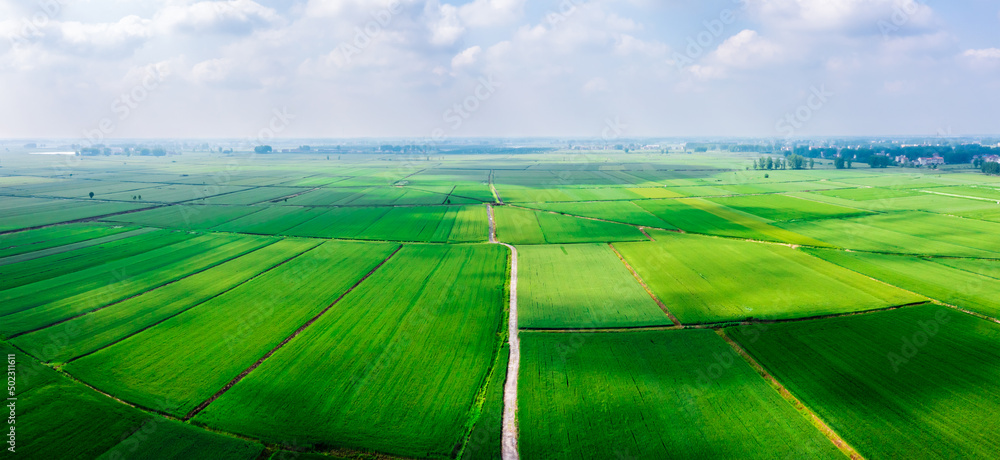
(927, 161)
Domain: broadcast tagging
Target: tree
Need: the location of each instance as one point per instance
(755, 165)
(850, 162)
(263, 149)
(797, 161)
(770, 163)
(812, 163)
(879, 161)
(91, 195)
(839, 162)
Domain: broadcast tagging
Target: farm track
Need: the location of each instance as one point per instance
(298, 331)
(645, 286)
(509, 450)
(195, 305)
(814, 419)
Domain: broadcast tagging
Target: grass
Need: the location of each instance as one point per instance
(906, 233)
(625, 212)
(580, 286)
(707, 280)
(666, 394)
(189, 357)
(486, 436)
(397, 364)
(129, 277)
(918, 382)
(91, 332)
(782, 207)
(31, 271)
(188, 217)
(35, 240)
(520, 226)
(50, 408)
(17, 213)
(967, 283)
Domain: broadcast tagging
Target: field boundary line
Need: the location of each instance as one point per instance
(286, 197)
(258, 275)
(645, 286)
(298, 331)
(230, 259)
(787, 395)
(643, 230)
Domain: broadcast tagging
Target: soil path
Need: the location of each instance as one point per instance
(509, 440)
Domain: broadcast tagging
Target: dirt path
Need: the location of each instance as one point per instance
(509, 450)
(509, 439)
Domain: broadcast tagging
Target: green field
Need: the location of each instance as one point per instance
(581, 286)
(649, 395)
(99, 329)
(189, 357)
(51, 406)
(521, 226)
(918, 380)
(966, 283)
(397, 363)
(708, 280)
(348, 305)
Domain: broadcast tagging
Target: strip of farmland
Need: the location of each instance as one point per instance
(707, 280)
(581, 286)
(101, 285)
(922, 379)
(667, 394)
(395, 366)
(189, 357)
(88, 333)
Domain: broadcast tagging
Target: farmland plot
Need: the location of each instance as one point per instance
(705, 280)
(967, 283)
(906, 233)
(34, 306)
(781, 207)
(649, 395)
(915, 381)
(101, 328)
(189, 357)
(30, 271)
(395, 366)
(519, 226)
(581, 286)
(50, 408)
(271, 220)
(18, 213)
(188, 217)
(486, 436)
(12, 244)
(625, 212)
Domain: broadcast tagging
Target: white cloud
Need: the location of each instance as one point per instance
(745, 50)
(984, 54)
(238, 17)
(212, 71)
(108, 39)
(467, 57)
(487, 13)
(444, 23)
(862, 16)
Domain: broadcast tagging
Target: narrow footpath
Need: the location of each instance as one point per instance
(509, 440)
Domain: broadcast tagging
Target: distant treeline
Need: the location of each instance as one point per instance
(961, 154)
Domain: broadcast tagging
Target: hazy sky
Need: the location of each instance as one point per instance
(358, 68)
